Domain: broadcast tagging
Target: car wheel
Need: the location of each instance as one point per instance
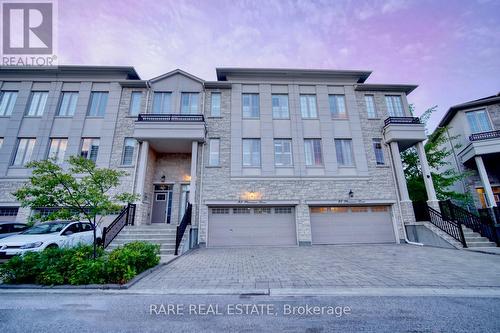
(52, 246)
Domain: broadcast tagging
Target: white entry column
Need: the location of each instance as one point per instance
(194, 162)
(405, 204)
(142, 166)
(432, 200)
(490, 198)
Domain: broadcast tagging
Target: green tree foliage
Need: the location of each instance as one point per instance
(80, 193)
(438, 148)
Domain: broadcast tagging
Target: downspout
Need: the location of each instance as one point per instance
(399, 205)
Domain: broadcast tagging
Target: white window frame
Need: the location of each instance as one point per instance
(68, 103)
(88, 143)
(135, 102)
(281, 153)
(395, 109)
(250, 157)
(378, 151)
(371, 110)
(192, 105)
(308, 106)
(481, 126)
(252, 110)
(338, 106)
(280, 111)
(344, 158)
(127, 144)
(164, 100)
(99, 111)
(37, 104)
(24, 151)
(215, 104)
(313, 152)
(57, 149)
(8, 100)
(214, 152)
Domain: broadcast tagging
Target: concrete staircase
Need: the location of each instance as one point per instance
(474, 239)
(162, 234)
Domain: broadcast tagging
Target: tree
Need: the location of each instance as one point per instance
(79, 193)
(438, 148)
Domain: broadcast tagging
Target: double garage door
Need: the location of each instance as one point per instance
(351, 225)
(251, 226)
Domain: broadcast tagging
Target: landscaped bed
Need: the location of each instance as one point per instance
(76, 266)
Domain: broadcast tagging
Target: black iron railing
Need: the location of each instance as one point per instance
(126, 217)
(402, 120)
(181, 228)
(482, 224)
(156, 117)
(449, 226)
(485, 135)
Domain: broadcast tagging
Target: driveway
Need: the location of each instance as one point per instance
(392, 266)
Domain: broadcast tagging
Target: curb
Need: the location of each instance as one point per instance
(482, 251)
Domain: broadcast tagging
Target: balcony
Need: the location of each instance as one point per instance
(406, 131)
(485, 136)
(483, 143)
(170, 132)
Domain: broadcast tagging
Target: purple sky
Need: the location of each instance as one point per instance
(451, 49)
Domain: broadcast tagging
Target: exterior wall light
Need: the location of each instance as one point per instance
(351, 194)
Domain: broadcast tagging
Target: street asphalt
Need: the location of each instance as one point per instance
(98, 311)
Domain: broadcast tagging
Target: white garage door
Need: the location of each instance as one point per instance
(244, 226)
(352, 225)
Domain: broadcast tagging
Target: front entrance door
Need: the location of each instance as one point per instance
(162, 204)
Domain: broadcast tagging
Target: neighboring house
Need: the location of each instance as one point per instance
(265, 156)
(476, 126)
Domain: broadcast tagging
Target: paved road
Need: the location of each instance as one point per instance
(131, 313)
(326, 267)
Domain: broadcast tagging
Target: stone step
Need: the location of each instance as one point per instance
(481, 244)
(146, 236)
(476, 239)
(149, 232)
(162, 246)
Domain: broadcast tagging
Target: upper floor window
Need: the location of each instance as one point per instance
(189, 103)
(370, 106)
(343, 148)
(394, 106)
(378, 151)
(251, 152)
(215, 104)
(280, 106)
(38, 101)
(337, 106)
(67, 107)
(479, 121)
(90, 148)
(250, 103)
(98, 103)
(7, 102)
(57, 149)
(283, 152)
(24, 151)
(214, 152)
(162, 102)
(135, 103)
(128, 151)
(313, 153)
(308, 106)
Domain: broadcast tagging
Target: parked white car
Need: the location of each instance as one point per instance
(46, 235)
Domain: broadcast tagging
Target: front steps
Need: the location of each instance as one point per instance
(474, 239)
(162, 234)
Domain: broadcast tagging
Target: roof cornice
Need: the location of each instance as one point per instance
(70, 69)
(448, 116)
(406, 88)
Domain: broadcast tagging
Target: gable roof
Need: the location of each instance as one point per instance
(174, 72)
(494, 99)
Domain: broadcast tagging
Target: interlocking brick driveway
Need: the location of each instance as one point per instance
(327, 266)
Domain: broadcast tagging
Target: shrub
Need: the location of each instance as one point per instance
(76, 265)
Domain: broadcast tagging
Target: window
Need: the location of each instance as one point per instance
(215, 103)
(343, 148)
(379, 153)
(135, 103)
(250, 104)
(312, 148)
(98, 102)
(337, 106)
(394, 106)
(283, 152)
(9, 211)
(370, 106)
(283, 210)
(280, 107)
(242, 210)
(359, 209)
(57, 150)
(263, 210)
(308, 106)
(38, 101)
(162, 102)
(214, 148)
(128, 151)
(24, 151)
(67, 107)
(479, 121)
(90, 148)
(7, 101)
(189, 103)
(224, 211)
(251, 152)
(379, 209)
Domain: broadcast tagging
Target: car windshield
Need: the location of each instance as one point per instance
(45, 228)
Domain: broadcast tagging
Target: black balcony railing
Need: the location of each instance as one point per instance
(156, 117)
(485, 135)
(402, 120)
